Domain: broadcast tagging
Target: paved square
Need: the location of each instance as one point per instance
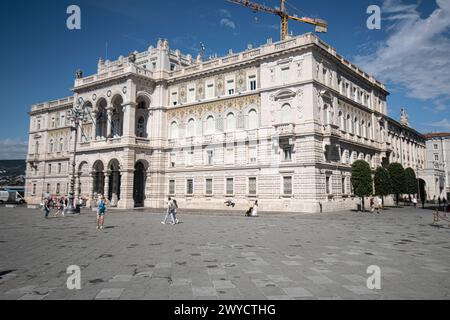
(225, 257)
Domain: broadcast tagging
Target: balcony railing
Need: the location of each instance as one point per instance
(285, 129)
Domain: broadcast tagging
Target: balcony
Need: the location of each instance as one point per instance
(285, 129)
(331, 131)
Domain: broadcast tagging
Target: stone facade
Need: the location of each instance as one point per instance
(280, 124)
(437, 169)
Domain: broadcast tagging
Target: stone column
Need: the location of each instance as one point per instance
(90, 203)
(115, 188)
(106, 188)
(126, 190)
(109, 112)
(129, 120)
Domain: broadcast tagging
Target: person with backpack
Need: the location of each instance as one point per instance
(170, 212)
(174, 212)
(101, 211)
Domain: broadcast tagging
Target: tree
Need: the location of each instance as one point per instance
(362, 180)
(410, 181)
(397, 175)
(382, 182)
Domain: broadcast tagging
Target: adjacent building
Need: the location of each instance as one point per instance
(281, 124)
(437, 169)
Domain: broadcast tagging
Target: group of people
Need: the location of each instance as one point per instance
(56, 204)
(376, 204)
(172, 207)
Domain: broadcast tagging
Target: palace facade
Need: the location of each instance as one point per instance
(281, 124)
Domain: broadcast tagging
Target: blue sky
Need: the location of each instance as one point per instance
(39, 56)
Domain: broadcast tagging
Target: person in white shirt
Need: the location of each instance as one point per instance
(255, 209)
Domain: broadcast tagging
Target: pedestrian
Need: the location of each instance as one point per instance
(378, 204)
(175, 211)
(414, 200)
(255, 209)
(101, 211)
(439, 202)
(170, 211)
(59, 207)
(372, 205)
(46, 207)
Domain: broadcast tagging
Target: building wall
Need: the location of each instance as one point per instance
(284, 121)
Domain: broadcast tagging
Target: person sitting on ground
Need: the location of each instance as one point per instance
(230, 203)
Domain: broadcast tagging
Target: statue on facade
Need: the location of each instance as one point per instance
(404, 120)
(79, 74)
(132, 57)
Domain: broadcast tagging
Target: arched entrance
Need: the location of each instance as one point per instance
(114, 182)
(99, 178)
(139, 185)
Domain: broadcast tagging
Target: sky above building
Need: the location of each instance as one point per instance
(39, 56)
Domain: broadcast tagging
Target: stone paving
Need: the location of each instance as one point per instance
(224, 257)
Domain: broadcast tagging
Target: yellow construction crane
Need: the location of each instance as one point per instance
(321, 25)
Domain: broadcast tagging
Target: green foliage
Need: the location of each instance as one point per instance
(410, 181)
(397, 175)
(382, 181)
(362, 179)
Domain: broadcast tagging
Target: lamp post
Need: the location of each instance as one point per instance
(78, 116)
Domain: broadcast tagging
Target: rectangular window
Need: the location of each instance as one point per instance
(230, 87)
(209, 186)
(435, 147)
(285, 75)
(252, 155)
(229, 156)
(172, 187)
(191, 95)
(49, 168)
(210, 91)
(230, 186)
(252, 186)
(209, 157)
(287, 153)
(59, 167)
(48, 187)
(190, 187)
(173, 160)
(328, 185)
(344, 186)
(189, 158)
(287, 185)
(172, 67)
(39, 124)
(34, 189)
(252, 83)
(174, 98)
(436, 157)
(58, 188)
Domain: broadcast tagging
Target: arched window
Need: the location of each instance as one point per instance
(349, 124)
(355, 127)
(341, 120)
(50, 146)
(191, 128)
(286, 114)
(369, 130)
(252, 120)
(231, 122)
(363, 129)
(61, 145)
(210, 125)
(140, 128)
(174, 130)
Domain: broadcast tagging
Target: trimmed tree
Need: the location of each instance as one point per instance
(362, 180)
(397, 175)
(382, 183)
(410, 181)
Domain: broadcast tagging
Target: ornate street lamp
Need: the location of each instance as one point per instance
(77, 115)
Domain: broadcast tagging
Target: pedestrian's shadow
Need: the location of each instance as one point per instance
(438, 226)
(111, 227)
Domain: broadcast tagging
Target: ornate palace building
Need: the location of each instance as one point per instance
(281, 124)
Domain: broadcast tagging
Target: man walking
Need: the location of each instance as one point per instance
(170, 212)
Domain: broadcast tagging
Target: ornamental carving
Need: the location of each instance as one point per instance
(199, 111)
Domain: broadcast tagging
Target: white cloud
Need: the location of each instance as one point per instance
(416, 53)
(225, 13)
(13, 149)
(225, 22)
(443, 124)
